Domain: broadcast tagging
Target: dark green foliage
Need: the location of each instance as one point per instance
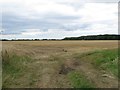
(95, 37)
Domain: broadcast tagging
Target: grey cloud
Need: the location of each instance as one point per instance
(16, 24)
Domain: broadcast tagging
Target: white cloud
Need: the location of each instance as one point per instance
(93, 12)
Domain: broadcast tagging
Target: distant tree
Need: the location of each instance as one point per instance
(44, 39)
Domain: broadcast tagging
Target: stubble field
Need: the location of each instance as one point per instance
(60, 64)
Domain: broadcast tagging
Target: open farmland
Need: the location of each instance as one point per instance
(60, 64)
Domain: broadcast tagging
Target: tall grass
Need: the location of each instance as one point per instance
(13, 67)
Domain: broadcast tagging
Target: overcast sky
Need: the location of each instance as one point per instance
(58, 18)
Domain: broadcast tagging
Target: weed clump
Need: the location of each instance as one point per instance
(5, 57)
(64, 50)
(78, 80)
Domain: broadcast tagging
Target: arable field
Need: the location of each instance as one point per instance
(60, 64)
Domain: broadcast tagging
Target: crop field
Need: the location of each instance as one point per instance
(60, 64)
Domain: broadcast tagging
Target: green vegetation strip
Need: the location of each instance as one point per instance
(102, 59)
(107, 60)
(78, 80)
(13, 67)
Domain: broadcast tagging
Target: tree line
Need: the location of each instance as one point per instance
(89, 37)
(95, 37)
(29, 39)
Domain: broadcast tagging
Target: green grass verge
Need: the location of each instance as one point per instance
(13, 67)
(78, 80)
(107, 60)
(102, 59)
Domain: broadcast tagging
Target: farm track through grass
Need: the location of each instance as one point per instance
(60, 66)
